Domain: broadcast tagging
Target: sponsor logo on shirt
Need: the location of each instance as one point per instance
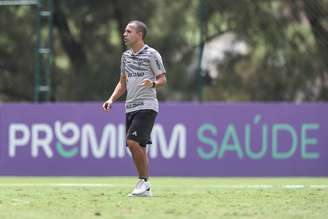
(133, 105)
(136, 74)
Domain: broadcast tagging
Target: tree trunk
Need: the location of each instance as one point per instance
(71, 45)
(77, 55)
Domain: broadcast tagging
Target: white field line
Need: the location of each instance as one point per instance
(208, 186)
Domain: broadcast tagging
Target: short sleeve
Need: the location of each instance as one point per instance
(123, 65)
(156, 63)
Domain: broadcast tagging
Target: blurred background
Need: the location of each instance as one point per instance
(246, 97)
(213, 50)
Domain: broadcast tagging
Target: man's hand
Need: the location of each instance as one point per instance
(107, 106)
(147, 83)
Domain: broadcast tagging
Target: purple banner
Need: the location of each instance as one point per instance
(189, 139)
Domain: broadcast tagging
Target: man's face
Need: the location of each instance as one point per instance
(131, 36)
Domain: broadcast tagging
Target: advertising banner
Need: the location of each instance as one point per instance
(189, 139)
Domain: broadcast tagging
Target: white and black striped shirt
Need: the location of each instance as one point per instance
(145, 64)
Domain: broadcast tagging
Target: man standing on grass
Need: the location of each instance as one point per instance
(142, 71)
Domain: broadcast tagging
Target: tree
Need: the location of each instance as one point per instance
(287, 44)
(17, 53)
(283, 63)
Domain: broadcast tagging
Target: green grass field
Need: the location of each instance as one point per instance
(106, 197)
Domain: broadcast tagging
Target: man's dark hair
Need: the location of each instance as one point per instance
(141, 27)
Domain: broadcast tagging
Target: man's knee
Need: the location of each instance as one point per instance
(132, 144)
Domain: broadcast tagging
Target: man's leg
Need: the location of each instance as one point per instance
(139, 129)
(140, 158)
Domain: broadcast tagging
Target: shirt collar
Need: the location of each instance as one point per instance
(140, 50)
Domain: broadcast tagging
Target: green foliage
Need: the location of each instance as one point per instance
(16, 37)
(284, 62)
(287, 45)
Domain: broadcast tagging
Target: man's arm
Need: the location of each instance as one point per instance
(117, 93)
(159, 82)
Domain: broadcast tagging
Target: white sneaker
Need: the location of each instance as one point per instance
(141, 188)
(147, 193)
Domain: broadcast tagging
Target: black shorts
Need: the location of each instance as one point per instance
(139, 125)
